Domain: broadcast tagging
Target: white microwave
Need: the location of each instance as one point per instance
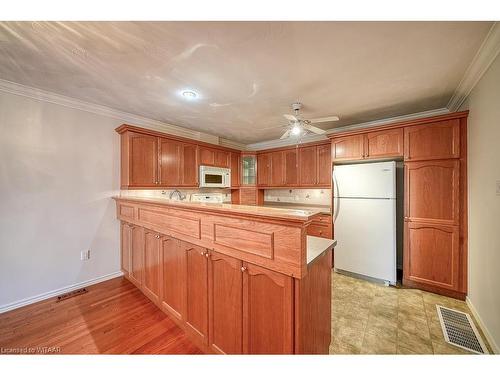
(214, 177)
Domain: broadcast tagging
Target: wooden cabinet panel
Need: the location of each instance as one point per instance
(235, 169)
(324, 165)
(267, 311)
(126, 244)
(196, 291)
(291, 166)
(143, 162)
(440, 140)
(173, 275)
(277, 171)
(324, 231)
(207, 156)
(222, 159)
(308, 170)
(170, 166)
(225, 285)
(348, 148)
(151, 285)
(432, 191)
(189, 168)
(263, 169)
(384, 143)
(137, 256)
(431, 255)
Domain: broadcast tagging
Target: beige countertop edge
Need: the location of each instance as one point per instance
(317, 246)
(242, 210)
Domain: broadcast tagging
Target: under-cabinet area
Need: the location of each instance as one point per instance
(252, 284)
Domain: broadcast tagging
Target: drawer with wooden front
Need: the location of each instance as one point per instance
(321, 226)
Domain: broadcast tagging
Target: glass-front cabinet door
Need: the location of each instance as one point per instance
(249, 170)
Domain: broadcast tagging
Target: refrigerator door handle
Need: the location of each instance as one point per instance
(337, 199)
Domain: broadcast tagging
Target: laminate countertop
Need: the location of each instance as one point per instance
(317, 246)
(291, 214)
(322, 209)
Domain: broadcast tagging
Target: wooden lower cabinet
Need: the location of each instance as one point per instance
(196, 291)
(267, 311)
(225, 305)
(432, 255)
(225, 301)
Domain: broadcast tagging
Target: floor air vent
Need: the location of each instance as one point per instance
(74, 293)
(459, 330)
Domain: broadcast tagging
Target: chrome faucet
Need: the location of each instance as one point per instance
(179, 195)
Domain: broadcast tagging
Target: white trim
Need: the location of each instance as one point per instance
(494, 346)
(54, 293)
(486, 54)
(365, 125)
(132, 119)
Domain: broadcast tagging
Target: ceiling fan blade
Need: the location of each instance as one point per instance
(291, 118)
(285, 134)
(313, 129)
(324, 119)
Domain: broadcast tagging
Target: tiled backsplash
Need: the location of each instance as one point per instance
(166, 193)
(299, 196)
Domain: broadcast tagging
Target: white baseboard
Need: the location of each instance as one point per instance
(53, 293)
(487, 334)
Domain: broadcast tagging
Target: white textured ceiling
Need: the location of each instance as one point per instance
(247, 73)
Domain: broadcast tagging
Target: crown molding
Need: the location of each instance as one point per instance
(484, 57)
(283, 142)
(126, 117)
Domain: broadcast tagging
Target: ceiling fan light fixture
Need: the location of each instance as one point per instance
(296, 129)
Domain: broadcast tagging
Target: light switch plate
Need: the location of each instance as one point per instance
(498, 187)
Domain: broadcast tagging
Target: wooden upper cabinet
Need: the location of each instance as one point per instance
(222, 159)
(277, 169)
(267, 311)
(432, 191)
(151, 286)
(225, 285)
(348, 148)
(137, 256)
(384, 143)
(206, 156)
(170, 165)
(432, 255)
(324, 163)
(189, 165)
(263, 169)
(142, 160)
(235, 169)
(196, 291)
(308, 162)
(291, 167)
(440, 140)
(173, 276)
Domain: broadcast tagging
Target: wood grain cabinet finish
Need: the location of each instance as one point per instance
(235, 169)
(267, 311)
(137, 256)
(308, 161)
(264, 169)
(152, 265)
(348, 148)
(126, 245)
(433, 191)
(277, 169)
(143, 160)
(214, 157)
(225, 285)
(439, 140)
(324, 165)
(431, 255)
(291, 173)
(196, 291)
(189, 165)
(170, 165)
(173, 277)
(383, 144)
(222, 159)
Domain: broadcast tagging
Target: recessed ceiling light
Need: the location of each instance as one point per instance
(189, 94)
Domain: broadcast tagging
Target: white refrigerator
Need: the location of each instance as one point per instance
(365, 219)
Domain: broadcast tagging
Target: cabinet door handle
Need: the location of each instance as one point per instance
(243, 269)
(207, 254)
(157, 236)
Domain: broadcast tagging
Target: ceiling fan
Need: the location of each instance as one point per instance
(298, 126)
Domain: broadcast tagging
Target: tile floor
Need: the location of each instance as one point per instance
(370, 318)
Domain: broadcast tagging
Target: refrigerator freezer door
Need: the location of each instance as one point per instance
(370, 180)
(366, 233)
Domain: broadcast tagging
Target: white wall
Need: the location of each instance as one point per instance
(58, 169)
(484, 204)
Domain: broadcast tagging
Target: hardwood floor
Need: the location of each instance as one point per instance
(114, 317)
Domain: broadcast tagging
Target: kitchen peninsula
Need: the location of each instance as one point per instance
(236, 278)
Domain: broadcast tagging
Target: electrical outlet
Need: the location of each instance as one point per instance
(85, 255)
(498, 187)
